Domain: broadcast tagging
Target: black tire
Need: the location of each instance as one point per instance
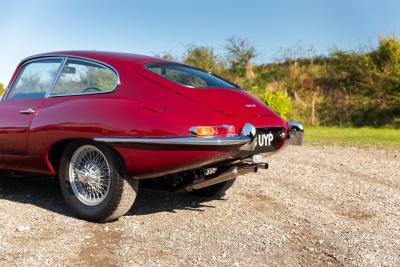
(214, 190)
(122, 190)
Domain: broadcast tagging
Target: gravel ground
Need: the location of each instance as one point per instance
(316, 205)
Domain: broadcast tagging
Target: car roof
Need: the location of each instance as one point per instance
(106, 57)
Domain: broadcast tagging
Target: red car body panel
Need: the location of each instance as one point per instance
(143, 105)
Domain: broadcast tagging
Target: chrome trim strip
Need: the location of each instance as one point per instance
(184, 141)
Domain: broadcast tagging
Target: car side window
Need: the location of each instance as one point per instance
(84, 77)
(34, 79)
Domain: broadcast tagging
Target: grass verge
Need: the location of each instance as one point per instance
(383, 138)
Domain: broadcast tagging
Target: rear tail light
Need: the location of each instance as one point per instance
(212, 131)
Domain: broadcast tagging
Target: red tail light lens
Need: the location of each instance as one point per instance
(210, 131)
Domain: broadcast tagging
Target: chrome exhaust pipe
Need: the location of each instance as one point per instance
(251, 167)
(224, 176)
(227, 175)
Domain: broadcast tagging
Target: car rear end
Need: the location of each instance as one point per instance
(219, 125)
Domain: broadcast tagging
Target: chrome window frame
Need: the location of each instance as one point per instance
(91, 61)
(53, 83)
(64, 59)
(22, 68)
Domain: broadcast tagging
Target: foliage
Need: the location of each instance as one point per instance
(165, 55)
(203, 57)
(279, 101)
(239, 55)
(363, 88)
(240, 51)
(1, 89)
(344, 88)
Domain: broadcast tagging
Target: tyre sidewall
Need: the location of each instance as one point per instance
(106, 207)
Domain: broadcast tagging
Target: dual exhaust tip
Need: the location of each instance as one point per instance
(230, 174)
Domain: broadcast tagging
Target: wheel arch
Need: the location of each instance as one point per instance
(55, 151)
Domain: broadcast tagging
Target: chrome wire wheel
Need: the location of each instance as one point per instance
(89, 175)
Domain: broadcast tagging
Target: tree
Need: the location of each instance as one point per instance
(203, 57)
(165, 55)
(240, 53)
(1, 89)
(297, 53)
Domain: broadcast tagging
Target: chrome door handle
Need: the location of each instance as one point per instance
(28, 111)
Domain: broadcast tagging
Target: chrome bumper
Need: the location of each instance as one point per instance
(296, 133)
(181, 141)
(245, 138)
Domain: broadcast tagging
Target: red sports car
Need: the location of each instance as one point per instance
(104, 121)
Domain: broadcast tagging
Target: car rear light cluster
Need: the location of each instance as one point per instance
(212, 131)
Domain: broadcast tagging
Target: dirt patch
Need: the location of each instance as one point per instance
(100, 247)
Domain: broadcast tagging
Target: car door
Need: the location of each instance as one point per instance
(22, 103)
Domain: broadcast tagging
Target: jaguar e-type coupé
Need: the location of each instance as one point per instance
(102, 122)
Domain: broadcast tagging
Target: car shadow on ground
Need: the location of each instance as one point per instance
(44, 192)
(153, 201)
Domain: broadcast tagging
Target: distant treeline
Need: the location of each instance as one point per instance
(344, 88)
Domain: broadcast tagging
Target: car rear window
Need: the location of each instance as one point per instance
(189, 76)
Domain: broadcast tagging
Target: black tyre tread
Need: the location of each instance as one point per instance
(127, 196)
(214, 190)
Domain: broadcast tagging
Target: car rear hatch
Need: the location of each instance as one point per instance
(229, 101)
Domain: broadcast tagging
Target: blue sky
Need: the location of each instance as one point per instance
(148, 27)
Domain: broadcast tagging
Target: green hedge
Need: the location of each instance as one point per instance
(279, 101)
